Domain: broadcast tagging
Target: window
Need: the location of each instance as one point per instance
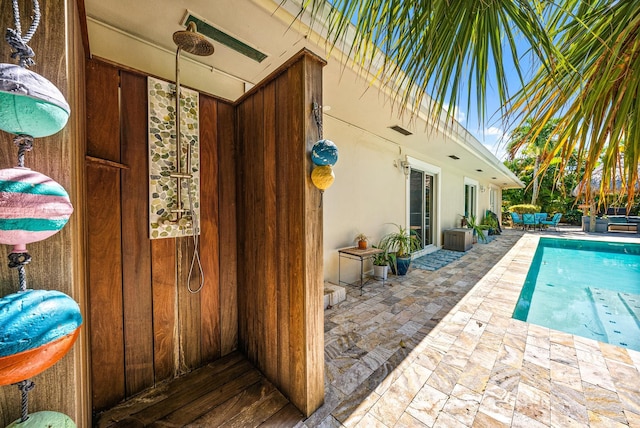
(470, 197)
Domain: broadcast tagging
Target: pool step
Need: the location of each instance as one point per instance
(621, 324)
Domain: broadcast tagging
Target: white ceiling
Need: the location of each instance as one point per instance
(139, 34)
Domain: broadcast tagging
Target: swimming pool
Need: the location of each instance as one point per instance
(586, 288)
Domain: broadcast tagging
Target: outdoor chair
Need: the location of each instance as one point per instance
(529, 220)
(540, 217)
(516, 219)
(553, 222)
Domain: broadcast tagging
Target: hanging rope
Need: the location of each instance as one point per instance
(19, 261)
(25, 386)
(318, 118)
(19, 43)
(25, 144)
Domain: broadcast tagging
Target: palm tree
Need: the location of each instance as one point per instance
(588, 53)
(538, 147)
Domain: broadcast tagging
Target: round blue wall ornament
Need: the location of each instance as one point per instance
(324, 152)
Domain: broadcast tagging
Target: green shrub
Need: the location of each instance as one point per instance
(525, 209)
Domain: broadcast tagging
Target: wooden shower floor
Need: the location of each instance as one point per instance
(229, 392)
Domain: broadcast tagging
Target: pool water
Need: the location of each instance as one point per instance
(587, 288)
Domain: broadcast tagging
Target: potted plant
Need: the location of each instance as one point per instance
(380, 265)
(402, 242)
(361, 239)
(478, 229)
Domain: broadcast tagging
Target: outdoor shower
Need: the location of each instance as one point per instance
(190, 41)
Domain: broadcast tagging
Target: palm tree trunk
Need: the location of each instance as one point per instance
(536, 185)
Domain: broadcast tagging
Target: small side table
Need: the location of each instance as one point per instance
(359, 255)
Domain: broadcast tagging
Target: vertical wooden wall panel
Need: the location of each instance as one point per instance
(295, 238)
(282, 124)
(270, 324)
(189, 324)
(53, 264)
(104, 281)
(136, 248)
(280, 284)
(163, 279)
(103, 115)
(227, 216)
(313, 259)
(161, 329)
(209, 237)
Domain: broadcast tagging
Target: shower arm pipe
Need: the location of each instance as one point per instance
(180, 174)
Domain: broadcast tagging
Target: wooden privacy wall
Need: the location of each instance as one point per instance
(280, 288)
(145, 326)
(56, 262)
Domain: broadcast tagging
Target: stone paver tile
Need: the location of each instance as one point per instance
(408, 421)
(569, 403)
(598, 421)
(537, 355)
(505, 377)
(630, 399)
(596, 374)
(616, 353)
(567, 375)
(523, 421)
(623, 375)
(483, 420)
(462, 405)
(603, 402)
(427, 405)
(474, 377)
(370, 421)
(563, 354)
(591, 357)
(483, 356)
(533, 403)
(444, 377)
(633, 419)
(511, 356)
(352, 378)
(395, 400)
(498, 403)
(446, 420)
(353, 408)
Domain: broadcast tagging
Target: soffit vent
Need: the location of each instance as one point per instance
(454, 157)
(220, 36)
(401, 130)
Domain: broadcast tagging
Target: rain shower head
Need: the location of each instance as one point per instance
(191, 41)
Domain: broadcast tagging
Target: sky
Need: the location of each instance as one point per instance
(494, 133)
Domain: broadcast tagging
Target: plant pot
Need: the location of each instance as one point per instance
(362, 245)
(403, 264)
(380, 272)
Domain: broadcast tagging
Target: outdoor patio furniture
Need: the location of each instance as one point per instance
(529, 220)
(553, 222)
(539, 217)
(516, 219)
(622, 223)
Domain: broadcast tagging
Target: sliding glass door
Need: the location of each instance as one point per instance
(421, 206)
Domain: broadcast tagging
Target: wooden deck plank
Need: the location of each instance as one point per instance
(197, 407)
(235, 405)
(227, 392)
(288, 416)
(259, 411)
(200, 384)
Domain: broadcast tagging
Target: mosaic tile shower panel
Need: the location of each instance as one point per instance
(162, 159)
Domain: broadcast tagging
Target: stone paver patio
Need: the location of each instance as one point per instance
(440, 349)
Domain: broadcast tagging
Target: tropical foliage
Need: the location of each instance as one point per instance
(588, 53)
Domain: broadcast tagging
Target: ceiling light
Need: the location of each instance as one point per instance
(479, 170)
(454, 157)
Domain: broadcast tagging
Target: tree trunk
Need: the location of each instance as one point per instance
(536, 185)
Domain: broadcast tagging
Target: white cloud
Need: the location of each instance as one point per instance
(493, 130)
